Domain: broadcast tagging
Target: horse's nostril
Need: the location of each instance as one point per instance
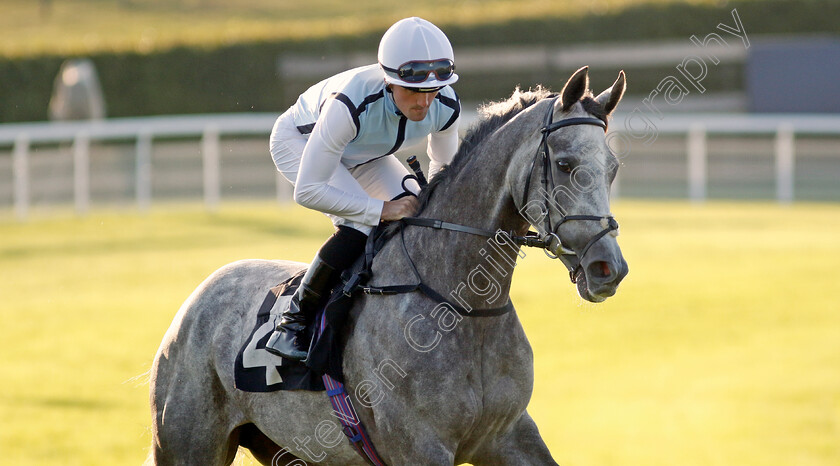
(600, 269)
(605, 269)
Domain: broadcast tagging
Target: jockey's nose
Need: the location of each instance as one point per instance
(423, 99)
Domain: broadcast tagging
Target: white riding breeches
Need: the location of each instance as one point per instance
(380, 178)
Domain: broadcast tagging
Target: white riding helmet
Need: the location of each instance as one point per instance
(416, 53)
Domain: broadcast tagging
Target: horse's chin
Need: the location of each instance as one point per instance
(583, 290)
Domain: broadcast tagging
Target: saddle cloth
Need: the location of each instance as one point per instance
(257, 370)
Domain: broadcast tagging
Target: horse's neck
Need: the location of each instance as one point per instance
(479, 195)
(481, 268)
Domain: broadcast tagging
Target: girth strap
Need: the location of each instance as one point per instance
(351, 425)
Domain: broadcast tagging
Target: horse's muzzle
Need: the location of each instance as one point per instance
(598, 279)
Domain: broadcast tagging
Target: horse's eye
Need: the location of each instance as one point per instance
(565, 166)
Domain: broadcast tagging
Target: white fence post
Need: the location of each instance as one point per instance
(81, 172)
(697, 163)
(210, 153)
(143, 169)
(20, 168)
(785, 154)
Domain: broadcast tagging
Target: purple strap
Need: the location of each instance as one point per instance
(350, 422)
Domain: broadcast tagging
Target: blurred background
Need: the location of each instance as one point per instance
(134, 162)
(761, 102)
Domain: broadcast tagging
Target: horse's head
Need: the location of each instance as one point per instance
(564, 175)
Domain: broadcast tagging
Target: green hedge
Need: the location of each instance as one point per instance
(243, 77)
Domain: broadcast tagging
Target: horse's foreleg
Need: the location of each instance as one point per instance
(413, 444)
(521, 445)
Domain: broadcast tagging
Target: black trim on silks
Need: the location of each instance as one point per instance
(454, 104)
(306, 129)
(397, 144)
(321, 107)
(353, 112)
(400, 135)
(369, 100)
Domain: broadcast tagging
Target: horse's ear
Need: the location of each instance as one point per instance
(575, 87)
(609, 98)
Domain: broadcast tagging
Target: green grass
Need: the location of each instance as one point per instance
(90, 26)
(722, 346)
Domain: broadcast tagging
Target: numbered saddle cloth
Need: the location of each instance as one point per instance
(257, 370)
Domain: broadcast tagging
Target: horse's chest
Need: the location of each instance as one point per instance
(504, 378)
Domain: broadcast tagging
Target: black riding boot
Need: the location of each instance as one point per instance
(289, 338)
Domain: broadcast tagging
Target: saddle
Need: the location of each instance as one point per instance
(257, 370)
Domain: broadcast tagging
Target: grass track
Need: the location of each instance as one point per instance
(722, 346)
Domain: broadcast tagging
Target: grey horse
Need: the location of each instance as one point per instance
(432, 386)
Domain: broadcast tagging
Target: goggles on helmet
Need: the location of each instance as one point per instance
(416, 72)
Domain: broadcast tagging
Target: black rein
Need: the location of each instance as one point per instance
(530, 239)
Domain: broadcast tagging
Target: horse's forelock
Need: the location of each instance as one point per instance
(591, 106)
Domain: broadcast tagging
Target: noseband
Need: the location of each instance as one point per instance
(550, 237)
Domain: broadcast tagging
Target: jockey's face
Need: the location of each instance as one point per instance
(414, 105)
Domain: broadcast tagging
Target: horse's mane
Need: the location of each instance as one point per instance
(491, 117)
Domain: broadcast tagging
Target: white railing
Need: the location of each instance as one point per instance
(143, 131)
(697, 127)
(211, 128)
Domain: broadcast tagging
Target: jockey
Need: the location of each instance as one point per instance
(336, 145)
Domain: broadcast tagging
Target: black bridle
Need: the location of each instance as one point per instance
(550, 240)
(551, 237)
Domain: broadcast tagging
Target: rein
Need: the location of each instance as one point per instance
(530, 239)
(534, 239)
(358, 280)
